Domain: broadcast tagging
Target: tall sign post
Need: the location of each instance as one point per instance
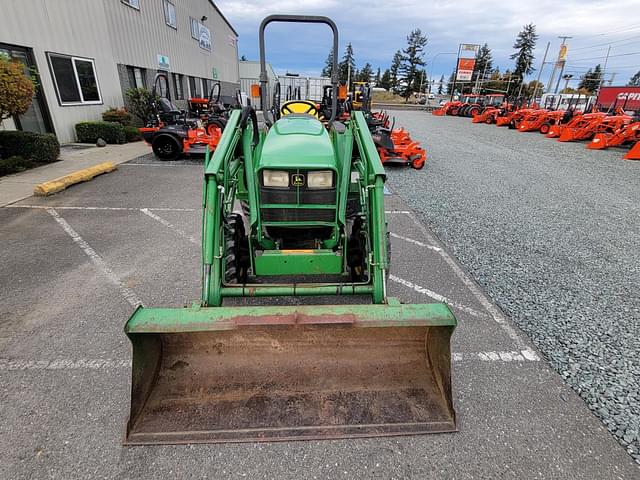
(467, 53)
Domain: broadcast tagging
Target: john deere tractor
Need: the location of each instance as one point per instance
(312, 224)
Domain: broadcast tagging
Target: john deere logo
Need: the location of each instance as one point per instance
(297, 180)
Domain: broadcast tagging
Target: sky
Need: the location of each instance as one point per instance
(376, 29)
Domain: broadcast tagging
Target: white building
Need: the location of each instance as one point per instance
(89, 52)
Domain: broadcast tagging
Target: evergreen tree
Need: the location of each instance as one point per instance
(591, 80)
(484, 62)
(450, 83)
(412, 59)
(441, 85)
(366, 73)
(328, 65)
(635, 80)
(524, 45)
(378, 78)
(385, 80)
(243, 58)
(348, 62)
(394, 70)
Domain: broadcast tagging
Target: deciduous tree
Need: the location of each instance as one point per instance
(16, 88)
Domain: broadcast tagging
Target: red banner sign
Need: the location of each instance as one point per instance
(465, 69)
(627, 97)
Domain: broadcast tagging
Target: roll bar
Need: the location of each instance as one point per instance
(263, 64)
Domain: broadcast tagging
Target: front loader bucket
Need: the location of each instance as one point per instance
(568, 134)
(599, 142)
(634, 153)
(240, 374)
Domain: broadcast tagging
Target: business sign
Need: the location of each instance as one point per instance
(163, 62)
(205, 38)
(469, 47)
(627, 97)
(465, 69)
(562, 56)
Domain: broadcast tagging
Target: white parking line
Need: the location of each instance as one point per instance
(486, 303)
(12, 365)
(415, 242)
(436, 296)
(116, 209)
(169, 225)
(127, 293)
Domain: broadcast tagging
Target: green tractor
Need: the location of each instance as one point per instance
(313, 224)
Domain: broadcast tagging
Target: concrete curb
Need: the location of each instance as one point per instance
(84, 175)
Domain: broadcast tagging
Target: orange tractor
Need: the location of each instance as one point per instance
(587, 129)
(493, 107)
(624, 135)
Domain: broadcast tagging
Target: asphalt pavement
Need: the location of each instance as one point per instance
(75, 265)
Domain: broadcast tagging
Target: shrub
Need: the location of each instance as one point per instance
(110, 132)
(29, 145)
(14, 164)
(118, 115)
(132, 134)
(141, 103)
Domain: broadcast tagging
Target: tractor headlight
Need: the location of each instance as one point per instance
(321, 179)
(275, 178)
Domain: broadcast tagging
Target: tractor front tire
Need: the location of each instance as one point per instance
(236, 257)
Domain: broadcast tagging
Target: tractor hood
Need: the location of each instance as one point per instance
(297, 142)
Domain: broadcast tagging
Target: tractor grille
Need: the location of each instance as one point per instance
(289, 196)
(298, 214)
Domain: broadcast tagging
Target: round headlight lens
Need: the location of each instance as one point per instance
(322, 179)
(275, 178)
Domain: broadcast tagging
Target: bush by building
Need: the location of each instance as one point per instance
(14, 164)
(110, 132)
(132, 134)
(119, 115)
(31, 146)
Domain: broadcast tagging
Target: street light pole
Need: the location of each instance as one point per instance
(430, 73)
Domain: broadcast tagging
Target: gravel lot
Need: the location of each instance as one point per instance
(552, 231)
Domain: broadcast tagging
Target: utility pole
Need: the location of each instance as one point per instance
(604, 69)
(544, 59)
(561, 60)
(453, 87)
(349, 76)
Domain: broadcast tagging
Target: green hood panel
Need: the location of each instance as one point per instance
(297, 142)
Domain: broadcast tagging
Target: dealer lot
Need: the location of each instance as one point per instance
(76, 264)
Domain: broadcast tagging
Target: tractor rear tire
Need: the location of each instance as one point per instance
(166, 147)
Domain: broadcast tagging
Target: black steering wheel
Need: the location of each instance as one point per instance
(299, 106)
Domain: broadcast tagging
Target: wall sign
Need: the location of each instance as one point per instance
(163, 62)
(205, 38)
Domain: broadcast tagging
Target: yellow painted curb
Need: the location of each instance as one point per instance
(59, 184)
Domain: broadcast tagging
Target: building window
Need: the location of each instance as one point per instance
(75, 79)
(137, 77)
(195, 28)
(170, 14)
(194, 86)
(177, 83)
(132, 3)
